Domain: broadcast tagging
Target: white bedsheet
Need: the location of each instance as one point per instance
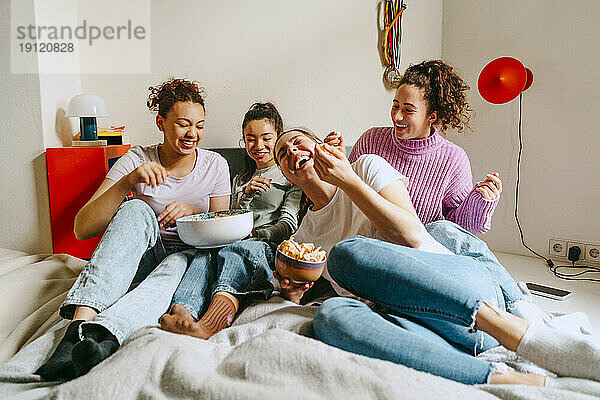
(268, 353)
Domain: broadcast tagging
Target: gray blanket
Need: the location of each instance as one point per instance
(268, 353)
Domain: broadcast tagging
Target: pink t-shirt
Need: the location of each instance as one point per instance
(209, 178)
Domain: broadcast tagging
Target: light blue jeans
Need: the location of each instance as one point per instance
(130, 254)
(424, 313)
(243, 269)
(464, 243)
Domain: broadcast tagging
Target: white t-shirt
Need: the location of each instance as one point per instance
(209, 178)
(341, 218)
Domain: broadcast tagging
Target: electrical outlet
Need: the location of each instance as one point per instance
(592, 252)
(557, 248)
(581, 247)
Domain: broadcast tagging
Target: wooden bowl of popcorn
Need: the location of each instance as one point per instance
(299, 263)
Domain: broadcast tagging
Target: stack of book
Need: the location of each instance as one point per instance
(89, 143)
(106, 136)
(114, 135)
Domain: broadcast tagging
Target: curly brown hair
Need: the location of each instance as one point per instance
(444, 90)
(164, 95)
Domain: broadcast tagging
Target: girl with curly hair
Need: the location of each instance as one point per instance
(140, 248)
(430, 98)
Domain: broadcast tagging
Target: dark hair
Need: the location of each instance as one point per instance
(444, 92)
(305, 202)
(257, 112)
(164, 95)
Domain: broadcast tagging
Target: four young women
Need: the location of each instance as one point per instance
(421, 313)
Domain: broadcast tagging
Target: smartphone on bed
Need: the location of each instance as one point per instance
(548, 291)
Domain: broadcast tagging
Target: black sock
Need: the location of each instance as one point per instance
(89, 353)
(59, 365)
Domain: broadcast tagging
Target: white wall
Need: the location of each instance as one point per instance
(24, 216)
(57, 89)
(557, 40)
(317, 61)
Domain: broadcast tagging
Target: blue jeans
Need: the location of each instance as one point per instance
(424, 313)
(243, 269)
(130, 252)
(464, 243)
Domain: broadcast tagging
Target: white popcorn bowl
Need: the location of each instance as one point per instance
(208, 230)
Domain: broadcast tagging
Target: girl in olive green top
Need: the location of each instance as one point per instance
(260, 186)
(275, 209)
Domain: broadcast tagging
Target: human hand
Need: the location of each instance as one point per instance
(491, 187)
(332, 166)
(252, 235)
(258, 184)
(150, 173)
(336, 139)
(292, 291)
(176, 209)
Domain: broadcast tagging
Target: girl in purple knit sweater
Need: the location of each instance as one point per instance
(430, 98)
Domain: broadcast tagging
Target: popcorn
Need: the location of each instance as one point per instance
(302, 252)
(213, 214)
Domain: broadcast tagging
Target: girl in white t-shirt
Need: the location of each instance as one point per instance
(140, 245)
(431, 309)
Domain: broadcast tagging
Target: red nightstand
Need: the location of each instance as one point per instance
(74, 174)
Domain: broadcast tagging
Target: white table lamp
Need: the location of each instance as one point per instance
(87, 107)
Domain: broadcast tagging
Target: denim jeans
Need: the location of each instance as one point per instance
(464, 243)
(130, 254)
(242, 268)
(424, 313)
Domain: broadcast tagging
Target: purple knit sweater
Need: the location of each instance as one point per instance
(440, 181)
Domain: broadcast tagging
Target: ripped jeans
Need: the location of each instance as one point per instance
(424, 312)
(464, 243)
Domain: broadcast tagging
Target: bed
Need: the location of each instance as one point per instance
(268, 353)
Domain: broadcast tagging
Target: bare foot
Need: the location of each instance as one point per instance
(517, 378)
(504, 327)
(180, 320)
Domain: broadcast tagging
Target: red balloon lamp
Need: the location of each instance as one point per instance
(503, 79)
